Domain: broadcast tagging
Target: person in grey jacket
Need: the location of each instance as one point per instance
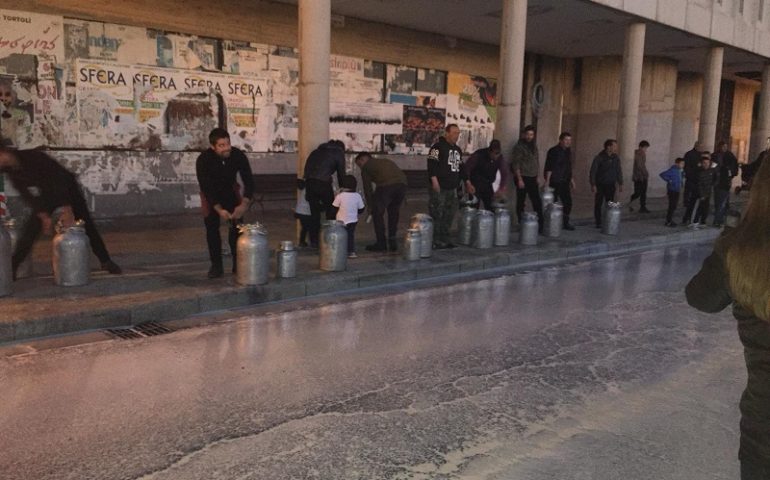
(525, 166)
(640, 177)
(605, 177)
(737, 273)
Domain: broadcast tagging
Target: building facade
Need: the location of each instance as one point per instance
(125, 94)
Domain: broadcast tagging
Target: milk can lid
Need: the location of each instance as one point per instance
(287, 245)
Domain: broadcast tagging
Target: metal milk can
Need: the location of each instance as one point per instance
(252, 255)
(484, 229)
(467, 216)
(611, 219)
(554, 218)
(25, 269)
(424, 223)
(528, 229)
(287, 260)
(502, 227)
(547, 196)
(412, 244)
(6, 252)
(71, 256)
(334, 246)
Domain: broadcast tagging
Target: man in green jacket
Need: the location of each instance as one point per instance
(390, 190)
(525, 166)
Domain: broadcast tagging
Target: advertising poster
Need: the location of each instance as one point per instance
(471, 104)
(422, 127)
(31, 34)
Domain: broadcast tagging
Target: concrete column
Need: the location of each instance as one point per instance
(314, 56)
(630, 92)
(712, 81)
(511, 77)
(762, 129)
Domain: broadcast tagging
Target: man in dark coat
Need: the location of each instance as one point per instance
(321, 165)
(606, 177)
(49, 189)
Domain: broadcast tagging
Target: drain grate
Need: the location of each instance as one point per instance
(149, 329)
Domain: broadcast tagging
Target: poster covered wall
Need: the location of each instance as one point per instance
(471, 104)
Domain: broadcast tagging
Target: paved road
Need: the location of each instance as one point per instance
(593, 371)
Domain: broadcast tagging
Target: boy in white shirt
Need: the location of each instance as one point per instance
(349, 204)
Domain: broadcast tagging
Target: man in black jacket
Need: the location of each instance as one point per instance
(445, 170)
(605, 176)
(727, 167)
(558, 175)
(691, 171)
(481, 169)
(48, 188)
(217, 169)
(321, 165)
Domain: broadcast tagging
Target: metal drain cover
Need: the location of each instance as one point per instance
(149, 329)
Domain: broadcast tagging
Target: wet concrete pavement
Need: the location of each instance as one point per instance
(594, 371)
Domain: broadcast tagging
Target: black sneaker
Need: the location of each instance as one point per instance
(216, 271)
(376, 247)
(644, 210)
(393, 245)
(451, 245)
(568, 227)
(112, 267)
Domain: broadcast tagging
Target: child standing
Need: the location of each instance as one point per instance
(349, 204)
(673, 179)
(302, 213)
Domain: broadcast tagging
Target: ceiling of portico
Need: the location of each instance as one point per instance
(560, 28)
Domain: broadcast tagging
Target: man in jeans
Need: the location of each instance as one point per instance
(640, 177)
(727, 166)
(390, 190)
(606, 175)
(445, 172)
(525, 165)
(558, 175)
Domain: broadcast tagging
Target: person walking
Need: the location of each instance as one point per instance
(49, 189)
(445, 162)
(390, 186)
(605, 177)
(673, 179)
(320, 167)
(737, 274)
(217, 170)
(525, 166)
(691, 171)
(481, 169)
(558, 175)
(640, 177)
(707, 179)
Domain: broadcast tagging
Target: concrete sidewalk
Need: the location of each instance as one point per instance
(165, 264)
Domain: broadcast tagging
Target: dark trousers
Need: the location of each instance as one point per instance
(530, 190)
(690, 197)
(387, 198)
(485, 192)
(563, 193)
(214, 240)
(721, 205)
(442, 207)
(34, 226)
(673, 200)
(640, 192)
(604, 193)
(305, 222)
(320, 196)
(754, 451)
(351, 228)
(703, 210)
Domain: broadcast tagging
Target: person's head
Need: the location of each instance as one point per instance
(705, 160)
(362, 158)
(349, 182)
(722, 146)
(494, 148)
(6, 93)
(336, 144)
(565, 140)
(452, 133)
(698, 146)
(679, 162)
(220, 142)
(644, 145)
(528, 134)
(611, 146)
(8, 159)
(749, 248)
